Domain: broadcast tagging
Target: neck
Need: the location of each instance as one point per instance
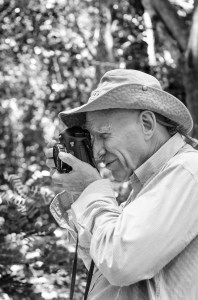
(159, 139)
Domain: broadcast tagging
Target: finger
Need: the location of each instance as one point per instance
(50, 163)
(51, 144)
(49, 152)
(58, 177)
(69, 159)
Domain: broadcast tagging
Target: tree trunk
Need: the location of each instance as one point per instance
(188, 46)
(105, 56)
(149, 13)
(174, 24)
(191, 72)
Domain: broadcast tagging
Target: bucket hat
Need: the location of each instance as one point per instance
(131, 89)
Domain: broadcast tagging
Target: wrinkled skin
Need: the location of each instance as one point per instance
(78, 179)
(122, 139)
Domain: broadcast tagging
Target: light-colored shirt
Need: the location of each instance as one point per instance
(146, 248)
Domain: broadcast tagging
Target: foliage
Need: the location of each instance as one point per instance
(35, 258)
(45, 67)
(49, 60)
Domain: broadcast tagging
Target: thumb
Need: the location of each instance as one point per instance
(69, 159)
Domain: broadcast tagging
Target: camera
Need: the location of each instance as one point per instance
(77, 141)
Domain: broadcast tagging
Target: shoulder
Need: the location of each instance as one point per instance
(186, 158)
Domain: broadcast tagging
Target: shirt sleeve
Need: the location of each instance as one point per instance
(134, 244)
(60, 209)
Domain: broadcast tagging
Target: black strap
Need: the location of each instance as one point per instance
(73, 278)
(89, 277)
(74, 269)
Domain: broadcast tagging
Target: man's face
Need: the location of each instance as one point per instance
(118, 140)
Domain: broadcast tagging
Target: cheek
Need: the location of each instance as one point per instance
(112, 145)
(119, 150)
(130, 151)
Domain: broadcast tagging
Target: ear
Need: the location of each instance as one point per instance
(148, 123)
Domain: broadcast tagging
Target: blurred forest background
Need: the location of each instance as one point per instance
(52, 54)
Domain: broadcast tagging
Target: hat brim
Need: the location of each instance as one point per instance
(132, 96)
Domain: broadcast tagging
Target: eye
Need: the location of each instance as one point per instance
(104, 135)
(99, 137)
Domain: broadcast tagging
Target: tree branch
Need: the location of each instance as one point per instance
(172, 21)
(191, 53)
(150, 39)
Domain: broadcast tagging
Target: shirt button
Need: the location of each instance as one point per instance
(144, 88)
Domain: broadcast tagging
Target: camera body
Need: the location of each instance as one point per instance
(76, 141)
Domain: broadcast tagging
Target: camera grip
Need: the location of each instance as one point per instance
(61, 166)
(76, 141)
(81, 152)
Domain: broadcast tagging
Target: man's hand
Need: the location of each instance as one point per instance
(49, 156)
(79, 178)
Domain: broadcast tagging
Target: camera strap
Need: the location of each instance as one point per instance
(89, 277)
(74, 271)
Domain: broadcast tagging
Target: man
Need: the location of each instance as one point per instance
(147, 248)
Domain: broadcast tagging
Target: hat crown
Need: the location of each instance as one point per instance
(131, 89)
(126, 76)
(118, 77)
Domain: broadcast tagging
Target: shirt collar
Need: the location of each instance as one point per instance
(152, 166)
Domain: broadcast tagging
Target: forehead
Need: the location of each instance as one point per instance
(98, 120)
(112, 119)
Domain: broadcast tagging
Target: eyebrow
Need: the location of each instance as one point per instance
(92, 129)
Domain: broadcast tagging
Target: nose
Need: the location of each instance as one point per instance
(98, 150)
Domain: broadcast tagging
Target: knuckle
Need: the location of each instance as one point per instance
(51, 143)
(49, 152)
(50, 163)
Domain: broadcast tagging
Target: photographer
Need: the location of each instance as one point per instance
(146, 248)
